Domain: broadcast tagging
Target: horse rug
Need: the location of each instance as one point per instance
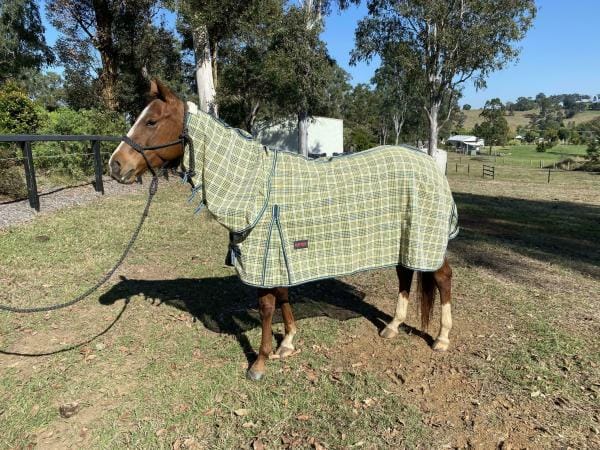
(294, 220)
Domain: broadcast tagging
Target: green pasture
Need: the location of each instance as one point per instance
(160, 353)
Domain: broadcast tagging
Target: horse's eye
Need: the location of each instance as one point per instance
(151, 123)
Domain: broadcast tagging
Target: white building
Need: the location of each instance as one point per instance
(466, 144)
(325, 136)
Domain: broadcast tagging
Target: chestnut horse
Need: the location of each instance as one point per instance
(162, 122)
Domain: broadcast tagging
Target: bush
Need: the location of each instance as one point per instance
(72, 158)
(593, 151)
(18, 114)
(12, 182)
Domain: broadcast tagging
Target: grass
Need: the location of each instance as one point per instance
(522, 118)
(175, 335)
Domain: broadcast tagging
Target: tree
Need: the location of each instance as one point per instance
(400, 92)
(124, 36)
(494, 129)
(45, 89)
(22, 45)
(466, 107)
(450, 41)
(593, 150)
(205, 26)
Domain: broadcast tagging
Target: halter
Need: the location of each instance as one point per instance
(183, 140)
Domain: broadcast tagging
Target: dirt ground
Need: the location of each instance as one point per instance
(167, 371)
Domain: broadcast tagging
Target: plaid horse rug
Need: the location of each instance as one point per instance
(294, 220)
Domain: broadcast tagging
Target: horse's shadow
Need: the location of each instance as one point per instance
(225, 305)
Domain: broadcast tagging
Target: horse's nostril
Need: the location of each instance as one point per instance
(115, 167)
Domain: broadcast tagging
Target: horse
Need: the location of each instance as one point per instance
(161, 125)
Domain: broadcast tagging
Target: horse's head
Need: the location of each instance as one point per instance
(159, 123)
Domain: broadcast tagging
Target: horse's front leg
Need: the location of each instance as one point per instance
(286, 348)
(266, 303)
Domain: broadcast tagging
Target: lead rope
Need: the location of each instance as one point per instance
(151, 192)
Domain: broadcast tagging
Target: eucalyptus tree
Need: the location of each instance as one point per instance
(104, 44)
(311, 13)
(400, 91)
(494, 129)
(206, 25)
(449, 41)
(22, 42)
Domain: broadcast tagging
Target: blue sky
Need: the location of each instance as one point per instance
(561, 53)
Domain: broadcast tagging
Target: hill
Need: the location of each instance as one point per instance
(521, 118)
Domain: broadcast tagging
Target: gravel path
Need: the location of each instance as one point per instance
(20, 212)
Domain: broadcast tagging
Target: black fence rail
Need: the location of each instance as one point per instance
(25, 141)
(488, 171)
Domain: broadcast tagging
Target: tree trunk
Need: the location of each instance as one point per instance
(251, 118)
(398, 124)
(432, 116)
(105, 46)
(204, 70)
(303, 133)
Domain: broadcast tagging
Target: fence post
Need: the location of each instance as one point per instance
(98, 185)
(456, 167)
(468, 169)
(32, 193)
(548, 175)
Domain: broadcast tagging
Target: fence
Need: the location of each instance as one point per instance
(488, 171)
(25, 141)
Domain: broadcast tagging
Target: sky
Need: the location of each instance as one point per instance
(559, 55)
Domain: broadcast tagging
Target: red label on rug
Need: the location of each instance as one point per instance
(300, 244)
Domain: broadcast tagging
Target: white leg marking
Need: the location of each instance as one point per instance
(442, 341)
(391, 329)
(287, 346)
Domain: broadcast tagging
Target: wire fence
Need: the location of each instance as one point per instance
(26, 162)
(505, 170)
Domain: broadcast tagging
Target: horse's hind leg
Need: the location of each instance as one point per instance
(443, 281)
(404, 282)
(266, 302)
(286, 347)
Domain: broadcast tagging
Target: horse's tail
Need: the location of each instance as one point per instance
(426, 285)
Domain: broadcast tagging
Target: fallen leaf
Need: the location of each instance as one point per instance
(257, 444)
(160, 432)
(248, 424)
(303, 417)
(241, 412)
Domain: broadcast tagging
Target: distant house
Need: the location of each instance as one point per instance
(466, 144)
(518, 137)
(325, 136)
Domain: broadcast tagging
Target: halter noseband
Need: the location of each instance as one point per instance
(184, 139)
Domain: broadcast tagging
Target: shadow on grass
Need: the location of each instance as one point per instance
(564, 233)
(226, 305)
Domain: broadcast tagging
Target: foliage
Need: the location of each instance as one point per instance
(447, 43)
(593, 151)
(70, 158)
(494, 129)
(466, 107)
(22, 43)
(18, 114)
(127, 36)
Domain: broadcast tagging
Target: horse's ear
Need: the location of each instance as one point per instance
(160, 90)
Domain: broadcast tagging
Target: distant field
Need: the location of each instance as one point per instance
(526, 155)
(521, 118)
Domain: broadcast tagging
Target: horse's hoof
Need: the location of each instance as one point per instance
(254, 376)
(440, 345)
(388, 333)
(284, 351)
